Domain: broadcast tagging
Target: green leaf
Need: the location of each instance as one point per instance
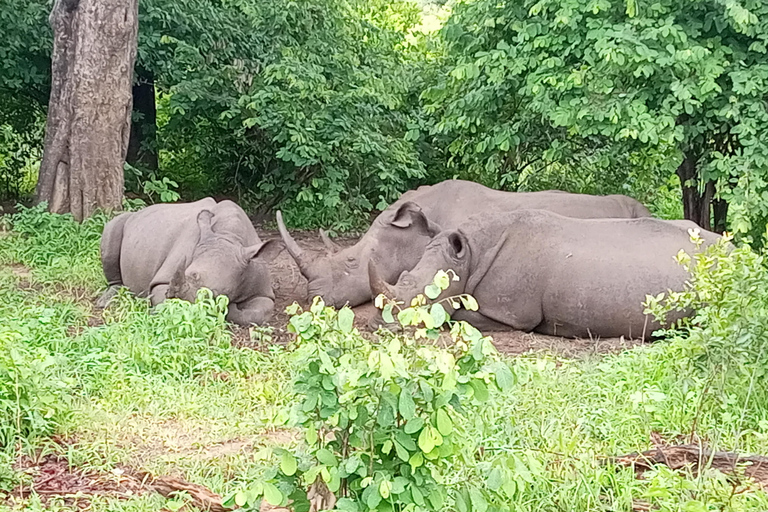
(479, 503)
(469, 303)
(505, 379)
(272, 494)
(402, 453)
(432, 291)
(481, 390)
(429, 438)
(495, 479)
(405, 440)
(288, 464)
(426, 441)
(346, 319)
(444, 423)
(442, 280)
(406, 405)
(414, 425)
(325, 456)
(386, 314)
(439, 316)
(385, 488)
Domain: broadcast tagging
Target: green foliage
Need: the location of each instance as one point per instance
(379, 420)
(56, 244)
(726, 338)
(298, 102)
(533, 81)
(19, 157)
(32, 396)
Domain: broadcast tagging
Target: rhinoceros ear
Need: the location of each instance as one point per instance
(458, 244)
(410, 214)
(267, 250)
(204, 220)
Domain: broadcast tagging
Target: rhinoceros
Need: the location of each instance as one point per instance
(534, 270)
(398, 236)
(173, 250)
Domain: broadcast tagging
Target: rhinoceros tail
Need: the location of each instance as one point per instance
(111, 245)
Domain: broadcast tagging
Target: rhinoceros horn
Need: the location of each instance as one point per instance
(378, 284)
(294, 250)
(328, 243)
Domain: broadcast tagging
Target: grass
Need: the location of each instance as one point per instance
(166, 392)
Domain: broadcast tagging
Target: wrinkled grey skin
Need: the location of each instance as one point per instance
(398, 236)
(534, 270)
(173, 250)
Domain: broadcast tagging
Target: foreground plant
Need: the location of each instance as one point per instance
(379, 420)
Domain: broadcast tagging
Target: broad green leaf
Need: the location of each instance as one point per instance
(441, 280)
(505, 379)
(406, 405)
(444, 423)
(385, 488)
(481, 390)
(469, 302)
(438, 314)
(386, 314)
(288, 464)
(479, 503)
(325, 456)
(346, 319)
(432, 291)
(494, 479)
(416, 460)
(426, 440)
(272, 494)
(402, 453)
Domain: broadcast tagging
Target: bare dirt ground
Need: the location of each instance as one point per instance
(291, 286)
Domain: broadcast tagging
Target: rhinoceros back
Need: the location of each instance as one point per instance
(451, 202)
(156, 240)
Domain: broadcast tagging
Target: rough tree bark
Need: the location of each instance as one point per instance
(696, 203)
(142, 147)
(89, 112)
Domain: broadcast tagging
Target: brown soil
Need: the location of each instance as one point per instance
(290, 286)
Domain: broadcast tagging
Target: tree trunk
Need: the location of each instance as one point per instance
(720, 214)
(696, 203)
(142, 147)
(89, 113)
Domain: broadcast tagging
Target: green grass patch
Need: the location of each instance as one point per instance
(166, 391)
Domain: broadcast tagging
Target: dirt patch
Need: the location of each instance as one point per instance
(52, 477)
(290, 286)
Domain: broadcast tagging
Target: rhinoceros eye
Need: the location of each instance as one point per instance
(352, 262)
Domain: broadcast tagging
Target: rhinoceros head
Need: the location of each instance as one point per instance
(396, 239)
(448, 251)
(218, 263)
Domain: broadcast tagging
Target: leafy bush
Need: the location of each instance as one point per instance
(379, 420)
(32, 396)
(178, 340)
(55, 245)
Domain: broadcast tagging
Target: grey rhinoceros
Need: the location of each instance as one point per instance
(398, 236)
(534, 270)
(173, 250)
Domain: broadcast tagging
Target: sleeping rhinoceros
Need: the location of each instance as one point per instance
(534, 270)
(398, 236)
(173, 250)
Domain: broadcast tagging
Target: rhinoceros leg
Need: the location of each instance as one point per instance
(158, 294)
(254, 311)
(110, 248)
